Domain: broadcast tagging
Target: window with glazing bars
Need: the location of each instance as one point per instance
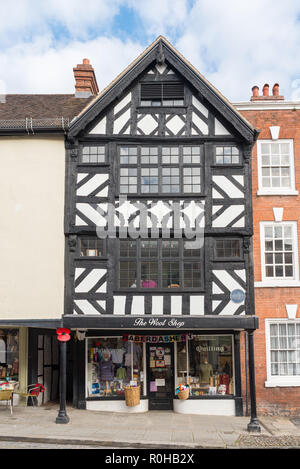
(161, 169)
(279, 250)
(160, 264)
(285, 349)
(93, 154)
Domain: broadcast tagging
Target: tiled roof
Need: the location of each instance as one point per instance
(41, 106)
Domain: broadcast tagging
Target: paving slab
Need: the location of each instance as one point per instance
(151, 429)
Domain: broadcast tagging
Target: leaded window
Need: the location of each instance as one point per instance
(93, 154)
(227, 155)
(160, 264)
(161, 169)
(228, 249)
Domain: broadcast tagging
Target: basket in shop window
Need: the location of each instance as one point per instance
(183, 391)
(132, 395)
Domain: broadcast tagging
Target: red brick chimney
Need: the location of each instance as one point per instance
(265, 96)
(85, 80)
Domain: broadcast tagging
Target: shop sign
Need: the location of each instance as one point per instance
(157, 339)
(155, 322)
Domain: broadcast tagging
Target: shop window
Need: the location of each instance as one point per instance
(162, 264)
(93, 154)
(91, 247)
(205, 363)
(9, 354)
(113, 364)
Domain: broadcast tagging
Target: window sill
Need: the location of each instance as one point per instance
(160, 291)
(287, 192)
(282, 384)
(277, 284)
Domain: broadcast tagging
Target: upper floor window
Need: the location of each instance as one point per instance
(279, 251)
(160, 264)
(227, 155)
(93, 154)
(162, 94)
(276, 167)
(163, 169)
(91, 247)
(228, 249)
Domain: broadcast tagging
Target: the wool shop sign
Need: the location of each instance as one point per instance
(157, 339)
(154, 322)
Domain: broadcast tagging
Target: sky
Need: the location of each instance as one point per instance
(235, 44)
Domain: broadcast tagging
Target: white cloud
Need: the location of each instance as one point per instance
(39, 67)
(240, 44)
(23, 19)
(234, 44)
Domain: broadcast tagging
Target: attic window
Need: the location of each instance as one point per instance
(162, 94)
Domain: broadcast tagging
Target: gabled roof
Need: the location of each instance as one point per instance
(123, 80)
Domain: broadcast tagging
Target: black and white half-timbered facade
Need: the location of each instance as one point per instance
(158, 225)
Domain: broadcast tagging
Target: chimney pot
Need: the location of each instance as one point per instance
(276, 89)
(255, 90)
(266, 90)
(86, 61)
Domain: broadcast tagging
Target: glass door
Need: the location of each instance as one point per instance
(160, 376)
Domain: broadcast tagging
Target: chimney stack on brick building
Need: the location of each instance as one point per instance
(85, 80)
(265, 95)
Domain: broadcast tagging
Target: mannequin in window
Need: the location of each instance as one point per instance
(205, 372)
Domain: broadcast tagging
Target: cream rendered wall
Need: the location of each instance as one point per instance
(32, 178)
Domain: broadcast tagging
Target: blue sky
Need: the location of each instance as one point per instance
(234, 43)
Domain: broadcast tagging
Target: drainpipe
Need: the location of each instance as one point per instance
(246, 373)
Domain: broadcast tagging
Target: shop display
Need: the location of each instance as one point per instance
(112, 365)
(203, 365)
(209, 365)
(9, 354)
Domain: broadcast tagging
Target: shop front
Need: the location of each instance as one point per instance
(159, 362)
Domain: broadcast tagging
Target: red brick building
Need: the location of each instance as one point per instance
(276, 214)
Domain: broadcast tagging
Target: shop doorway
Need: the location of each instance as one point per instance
(160, 372)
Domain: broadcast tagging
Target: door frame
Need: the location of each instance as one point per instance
(168, 405)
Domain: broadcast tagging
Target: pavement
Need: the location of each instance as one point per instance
(153, 429)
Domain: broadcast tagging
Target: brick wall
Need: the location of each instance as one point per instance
(270, 302)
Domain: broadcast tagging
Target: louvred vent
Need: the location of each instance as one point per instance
(162, 91)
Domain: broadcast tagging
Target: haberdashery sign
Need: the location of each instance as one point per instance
(157, 339)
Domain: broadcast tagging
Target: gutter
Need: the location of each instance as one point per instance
(30, 126)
